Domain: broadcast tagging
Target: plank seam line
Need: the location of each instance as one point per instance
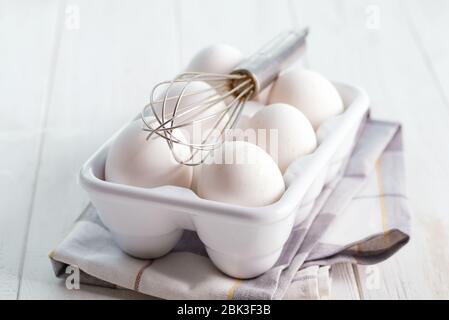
(358, 281)
(177, 13)
(424, 54)
(41, 139)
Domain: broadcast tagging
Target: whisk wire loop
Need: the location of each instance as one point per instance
(175, 105)
(224, 91)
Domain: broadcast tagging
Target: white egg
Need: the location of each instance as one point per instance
(239, 133)
(241, 173)
(286, 133)
(134, 160)
(195, 93)
(217, 58)
(308, 91)
(249, 109)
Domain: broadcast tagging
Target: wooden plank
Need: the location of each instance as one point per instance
(385, 59)
(247, 25)
(424, 22)
(254, 23)
(27, 30)
(105, 69)
(326, 54)
(344, 282)
(341, 46)
(427, 23)
(419, 271)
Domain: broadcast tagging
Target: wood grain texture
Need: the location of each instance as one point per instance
(247, 25)
(104, 71)
(427, 24)
(27, 33)
(344, 282)
(101, 73)
(388, 62)
(418, 271)
(201, 24)
(82, 82)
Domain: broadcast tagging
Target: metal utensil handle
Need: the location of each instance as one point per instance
(264, 66)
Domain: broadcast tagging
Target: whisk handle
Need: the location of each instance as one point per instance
(264, 66)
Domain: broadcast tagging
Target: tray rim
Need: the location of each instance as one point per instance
(185, 200)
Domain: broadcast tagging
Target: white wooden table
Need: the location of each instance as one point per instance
(72, 72)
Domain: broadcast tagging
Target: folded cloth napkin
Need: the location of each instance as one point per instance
(362, 217)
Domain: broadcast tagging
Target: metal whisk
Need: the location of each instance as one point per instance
(227, 91)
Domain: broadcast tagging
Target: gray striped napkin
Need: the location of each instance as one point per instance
(362, 218)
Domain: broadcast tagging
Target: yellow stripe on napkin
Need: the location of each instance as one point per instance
(231, 291)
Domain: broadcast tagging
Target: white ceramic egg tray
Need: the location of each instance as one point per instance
(243, 242)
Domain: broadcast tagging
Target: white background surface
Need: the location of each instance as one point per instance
(72, 72)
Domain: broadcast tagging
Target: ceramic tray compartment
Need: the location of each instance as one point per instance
(242, 242)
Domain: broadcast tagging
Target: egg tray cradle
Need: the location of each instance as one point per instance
(243, 242)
